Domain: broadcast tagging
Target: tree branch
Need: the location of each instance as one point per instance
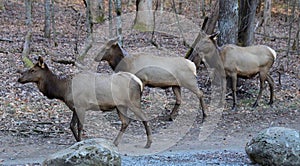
(6, 40)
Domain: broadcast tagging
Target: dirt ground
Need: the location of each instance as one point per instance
(32, 126)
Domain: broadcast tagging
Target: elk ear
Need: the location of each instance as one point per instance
(41, 62)
(214, 36)
(113, 41)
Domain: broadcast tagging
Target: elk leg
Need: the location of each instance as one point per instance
(73, 123)
(177, 92)
(125, 122)
(233, 88)
(149, 134)
(200, 96)
(79, 128)
(142, 116)
(199, 93)
(271, 85)
(262, 83)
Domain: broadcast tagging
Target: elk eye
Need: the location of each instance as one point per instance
(32, 71)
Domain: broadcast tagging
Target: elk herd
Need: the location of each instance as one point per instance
(122, 90)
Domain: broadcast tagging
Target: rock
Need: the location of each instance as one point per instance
(88, 152)
(275, 146)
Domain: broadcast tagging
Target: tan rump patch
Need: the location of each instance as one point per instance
(273, 52)
(135, 78)
(192, 66)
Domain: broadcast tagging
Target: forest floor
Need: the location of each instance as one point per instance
(32, 126)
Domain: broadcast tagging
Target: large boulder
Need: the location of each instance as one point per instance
(89, 152)
(275, 146)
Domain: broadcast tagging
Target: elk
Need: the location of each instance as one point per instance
(247, 62)
(154, 71)
(90, 91)
(205, 50)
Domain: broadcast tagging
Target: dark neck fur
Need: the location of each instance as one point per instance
(53, 87)
(114, 62)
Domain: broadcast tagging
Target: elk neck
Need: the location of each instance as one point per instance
(53, 86)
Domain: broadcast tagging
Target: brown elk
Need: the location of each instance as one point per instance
(247, 62)
(154, 71)
(89, 91)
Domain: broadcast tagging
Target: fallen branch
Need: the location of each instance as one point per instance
(62, 61)
(274, 37)
(70, 62)
(6, 40)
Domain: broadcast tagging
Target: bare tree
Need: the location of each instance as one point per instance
(110, 4)
(267, 16)
(26, 47)
(291, 20)
(89, 23)
(89, 29)
(180, 10)
(287, 6)
(228, 22)
(118, 7)
(210, 22)
(47, 29)
(178, 23)
(203, 8)
(144, 20)
(296, 41)
(53, 23)
(97, 11)
(247, 11)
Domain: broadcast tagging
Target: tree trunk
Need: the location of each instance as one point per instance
(178, 23)
(47, 29)
(144, 20)
(97, 11)
(298, 31)
(180, 10)
(26, 47)
(53, 23)
(247, 13)
(203, 8)
(89, 23)
(118, 6)
(291, 20)
(287, 11)
(110, 18)
(228, 22)
(267, 16)
(210, 25)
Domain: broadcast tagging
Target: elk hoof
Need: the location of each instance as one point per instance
(147, 146)
(233, 108)
(116, 143)
(270, 103)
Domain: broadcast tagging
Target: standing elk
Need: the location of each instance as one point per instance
(89, 91)
(204, 50)
(155, 71)
(247, 62)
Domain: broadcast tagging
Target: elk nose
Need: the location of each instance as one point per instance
(19, 71)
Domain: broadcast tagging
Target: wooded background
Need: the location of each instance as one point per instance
(240, 22)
